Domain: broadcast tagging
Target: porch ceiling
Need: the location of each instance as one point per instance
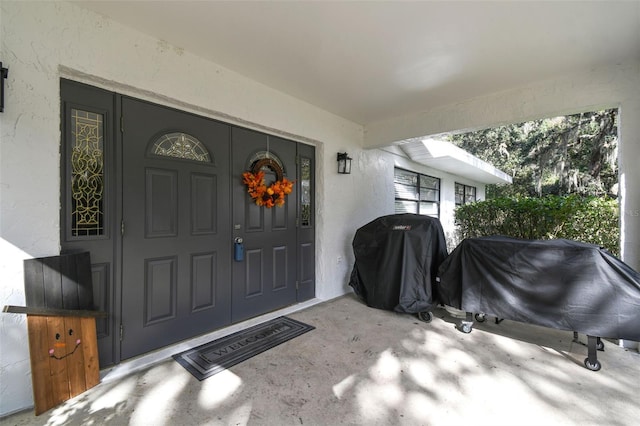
(370, 61)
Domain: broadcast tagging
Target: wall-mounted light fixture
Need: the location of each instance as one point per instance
(344, 163)
(4, 73)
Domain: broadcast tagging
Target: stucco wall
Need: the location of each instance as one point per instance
(614, 86)
(43, 41)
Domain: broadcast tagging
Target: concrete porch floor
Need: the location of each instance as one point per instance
(363, 366)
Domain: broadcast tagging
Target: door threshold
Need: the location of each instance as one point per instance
(147, 360)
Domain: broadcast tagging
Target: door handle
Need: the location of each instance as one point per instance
(238, 249)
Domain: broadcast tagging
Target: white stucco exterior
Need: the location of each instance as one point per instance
(44, 41)
(615, 86)
(448, 181)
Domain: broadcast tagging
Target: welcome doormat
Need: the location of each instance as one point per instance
(213, 357)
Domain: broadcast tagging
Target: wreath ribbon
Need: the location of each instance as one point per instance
(268, 196)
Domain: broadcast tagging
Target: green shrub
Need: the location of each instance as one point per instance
(588, 219)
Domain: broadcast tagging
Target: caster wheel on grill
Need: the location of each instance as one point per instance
(465, 328)
(425, 316)
(593, 367)
(600, 345)
(480, 317)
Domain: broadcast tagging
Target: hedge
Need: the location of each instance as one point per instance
(591, 220)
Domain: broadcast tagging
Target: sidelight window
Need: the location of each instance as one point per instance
(305, 191)
(87, 173)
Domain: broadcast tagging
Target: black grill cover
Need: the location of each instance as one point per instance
(560, 284)
(396, 262)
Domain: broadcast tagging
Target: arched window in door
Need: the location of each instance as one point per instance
(180, 145)
(262, 155)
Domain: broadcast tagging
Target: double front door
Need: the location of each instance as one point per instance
(193, 252)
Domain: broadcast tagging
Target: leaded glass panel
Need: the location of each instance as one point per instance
(261, 155)
(87, 173)
(305, 191)
(181, 145)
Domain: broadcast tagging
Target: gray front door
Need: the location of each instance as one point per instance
(176, 237)
(265, 279)
(156, 195)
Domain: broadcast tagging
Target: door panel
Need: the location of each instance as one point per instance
(176, 245)
(306, 226)
(159, 301)
(161, 203)
(101, 296)
(203, 204)
(80, 157)
(204, 283)
(266, 279)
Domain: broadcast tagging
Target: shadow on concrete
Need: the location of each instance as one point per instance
(367, 366)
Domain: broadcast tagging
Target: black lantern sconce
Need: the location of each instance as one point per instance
(344, 163)
(4, 73)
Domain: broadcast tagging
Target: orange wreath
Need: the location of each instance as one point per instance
(275, 194)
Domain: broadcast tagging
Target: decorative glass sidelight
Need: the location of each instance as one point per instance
(87, 173)
(181, 145)
(305, 191)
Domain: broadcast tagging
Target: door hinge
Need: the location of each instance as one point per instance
(297, 285)
(122, 124)
(121, 332)
(122, 228)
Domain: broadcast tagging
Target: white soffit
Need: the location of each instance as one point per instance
(445, 156)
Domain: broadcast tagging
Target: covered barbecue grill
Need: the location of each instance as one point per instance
(560, 284)
(396, 263)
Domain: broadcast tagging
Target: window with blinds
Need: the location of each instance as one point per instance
(416, 193)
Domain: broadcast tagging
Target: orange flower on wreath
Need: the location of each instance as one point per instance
(273, 195)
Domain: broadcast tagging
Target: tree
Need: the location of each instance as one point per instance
(553, 156)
